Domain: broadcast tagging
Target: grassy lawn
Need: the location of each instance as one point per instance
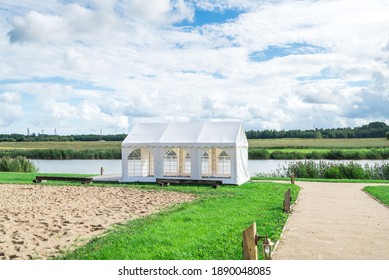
(379, 192)
(209, 228)
(26, 178)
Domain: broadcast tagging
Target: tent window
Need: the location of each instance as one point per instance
(216, 166)
(187, 166)
(177, 163)
(224, 165)
(206, 170)
(170, 164)
(140, 163)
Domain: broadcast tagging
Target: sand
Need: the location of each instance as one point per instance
(335, 221)
(38, 222)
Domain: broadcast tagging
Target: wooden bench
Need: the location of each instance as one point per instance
(167, 182)
(83, 180)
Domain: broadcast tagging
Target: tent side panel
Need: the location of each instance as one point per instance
(242, 174)
(125, 154)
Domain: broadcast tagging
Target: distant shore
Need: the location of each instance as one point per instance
(294, 148)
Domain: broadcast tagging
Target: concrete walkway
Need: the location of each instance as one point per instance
(335, 221)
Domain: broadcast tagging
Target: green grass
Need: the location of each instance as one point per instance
(262, 178)
(26, 178)
(381, 193)
(208, 228)
(76, 145)
(319, 143)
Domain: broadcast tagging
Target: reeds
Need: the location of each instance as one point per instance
(336, 170)
(256, 153)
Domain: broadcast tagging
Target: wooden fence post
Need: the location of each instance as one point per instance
(101, 171)
(250, 251)
(292, 177)
(287, 201)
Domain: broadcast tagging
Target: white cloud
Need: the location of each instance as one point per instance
(38, 27)
(158, 11)
(222, 5)
(373, 100)
(11, 110)
(89, 63)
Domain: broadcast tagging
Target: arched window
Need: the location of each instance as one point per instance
(206, 167)
(170, 164)
(224, 165)
(140, 163)
(187, 166)
(177, 163)
(216, 163)
(135, 163)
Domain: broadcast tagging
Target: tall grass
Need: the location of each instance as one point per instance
(18, 164)
(329, 170)
(63, 153)
(256, 153)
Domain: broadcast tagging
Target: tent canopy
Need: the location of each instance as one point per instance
(197, 134)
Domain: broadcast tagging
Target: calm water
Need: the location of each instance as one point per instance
(114, 166)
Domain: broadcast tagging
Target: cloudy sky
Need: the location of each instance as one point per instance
(81, 66)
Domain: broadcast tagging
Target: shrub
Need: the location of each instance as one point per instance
(335, 154)
(259, 154)
(18, 164)
(332, 172)
(326, 170)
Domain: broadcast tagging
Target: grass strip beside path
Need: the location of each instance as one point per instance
(209, 228)
(381, 193)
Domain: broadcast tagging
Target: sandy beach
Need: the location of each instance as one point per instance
(38, 222)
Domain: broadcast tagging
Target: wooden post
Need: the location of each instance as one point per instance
(287, 201)
(101, 171)
(292, 178)
(250, 251)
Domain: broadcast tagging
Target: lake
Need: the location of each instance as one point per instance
(114, 166)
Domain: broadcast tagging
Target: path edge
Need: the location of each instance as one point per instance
(286, 223)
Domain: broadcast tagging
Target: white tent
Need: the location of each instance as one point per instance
(193, 151)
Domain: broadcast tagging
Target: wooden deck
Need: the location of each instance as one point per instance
(83, 180)
(167, 182)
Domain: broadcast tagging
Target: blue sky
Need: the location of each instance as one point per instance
(82, 66)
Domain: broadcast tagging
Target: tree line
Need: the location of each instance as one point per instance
(59, 138)
(371, 130)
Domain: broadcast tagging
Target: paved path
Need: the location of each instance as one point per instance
(333, 221)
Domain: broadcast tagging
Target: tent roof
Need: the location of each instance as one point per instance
(188, 134)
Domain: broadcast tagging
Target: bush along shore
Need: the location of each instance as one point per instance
(329, 170)
(18, 164)
(256, 153)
